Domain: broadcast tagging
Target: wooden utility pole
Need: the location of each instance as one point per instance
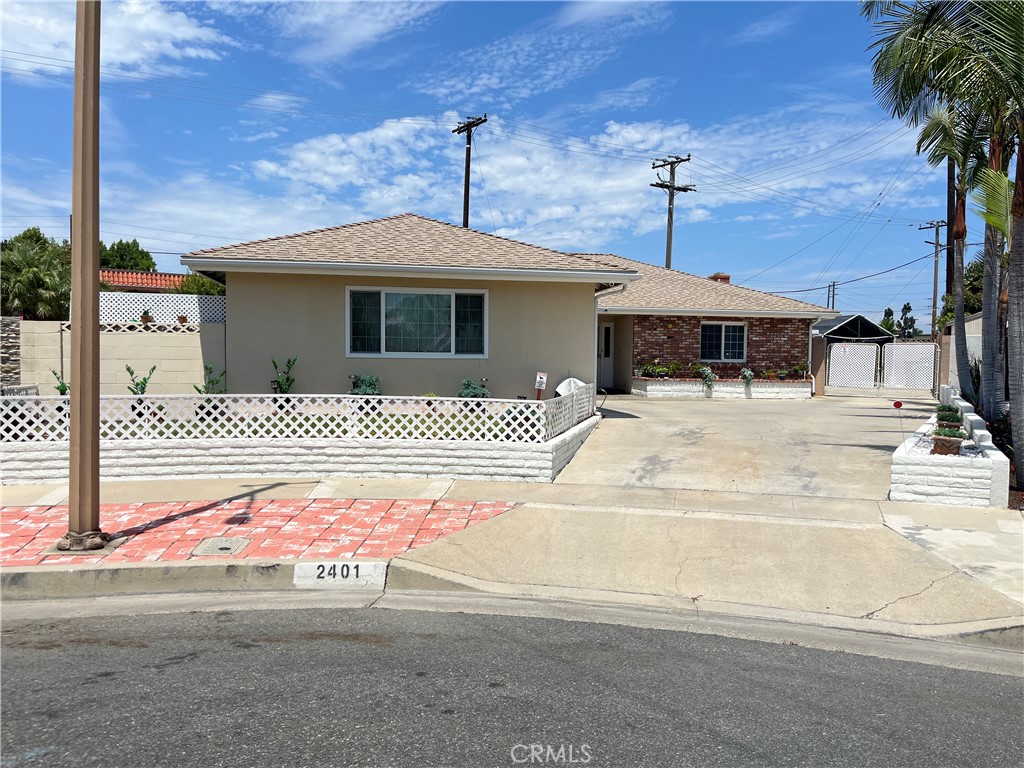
(84, 457)
(935, 284)
(467, 128)
(671, 187)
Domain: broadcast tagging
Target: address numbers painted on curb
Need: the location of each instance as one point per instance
(341, 574)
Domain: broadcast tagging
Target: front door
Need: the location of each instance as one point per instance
(606, 356)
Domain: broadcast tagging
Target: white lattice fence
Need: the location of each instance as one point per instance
(911, 366)
(301, 416)
(852, 365)
(164, 307)
(563, 413)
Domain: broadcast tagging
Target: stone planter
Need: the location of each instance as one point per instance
(724, 389)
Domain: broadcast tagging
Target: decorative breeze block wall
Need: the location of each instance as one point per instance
(164, 307)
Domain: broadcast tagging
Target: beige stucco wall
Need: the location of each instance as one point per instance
(178, 357)
(531, 327)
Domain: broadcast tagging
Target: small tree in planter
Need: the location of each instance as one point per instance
(210, 409)
(139, 386)
(283, 381)
(63, 387)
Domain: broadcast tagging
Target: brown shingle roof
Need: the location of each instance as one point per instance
(404, 240)
(663, 290)
(127, 279)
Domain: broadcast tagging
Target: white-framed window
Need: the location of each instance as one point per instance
(415, 322)
(723, 342)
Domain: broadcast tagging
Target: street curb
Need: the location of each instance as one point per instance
(99, 580)
(407, 575)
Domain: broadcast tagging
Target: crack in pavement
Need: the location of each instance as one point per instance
(872, 614)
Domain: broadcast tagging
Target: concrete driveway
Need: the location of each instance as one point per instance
(836, 447)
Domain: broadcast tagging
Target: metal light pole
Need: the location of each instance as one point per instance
(84, 457)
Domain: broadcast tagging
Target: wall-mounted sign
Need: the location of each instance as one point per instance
(542, 380)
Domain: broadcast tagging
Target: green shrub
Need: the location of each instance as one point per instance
(950, 432)
(211, 384)
(365, 384)
(284, 377)
(471, 388)
(139, 385)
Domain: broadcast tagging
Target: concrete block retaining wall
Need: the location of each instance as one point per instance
(973, 481)
(735, 390)
(150, 459)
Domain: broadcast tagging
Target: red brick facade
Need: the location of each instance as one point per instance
(772, 343)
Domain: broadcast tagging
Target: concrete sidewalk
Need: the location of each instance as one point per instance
(853, 563)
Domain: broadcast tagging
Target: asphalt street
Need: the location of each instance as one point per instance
(373, 688)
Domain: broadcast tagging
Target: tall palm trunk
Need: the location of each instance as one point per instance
(991, 360)
(963, 364)
(1015, 313)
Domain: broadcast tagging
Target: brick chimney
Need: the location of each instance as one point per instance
(719, 277)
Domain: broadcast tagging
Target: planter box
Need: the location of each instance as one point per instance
(974, 479)
(728, 389)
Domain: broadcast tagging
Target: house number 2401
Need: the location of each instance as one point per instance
(335, 571)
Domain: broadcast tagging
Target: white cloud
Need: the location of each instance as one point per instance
(541, 59)
(331, 31)
(144, 37)
(767, 28)
(582, 194)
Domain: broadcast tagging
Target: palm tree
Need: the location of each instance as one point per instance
(956, 51)
(957, 133)
(35, 282)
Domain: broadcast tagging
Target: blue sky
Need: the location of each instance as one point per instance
(230, 121)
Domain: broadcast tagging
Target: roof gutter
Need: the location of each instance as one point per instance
(609, 277)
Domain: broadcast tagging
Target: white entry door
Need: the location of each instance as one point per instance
(606, 356)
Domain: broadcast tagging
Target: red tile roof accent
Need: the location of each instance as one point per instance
(130, 278)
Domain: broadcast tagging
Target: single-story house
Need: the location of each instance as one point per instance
(420, 303)
(673, 316)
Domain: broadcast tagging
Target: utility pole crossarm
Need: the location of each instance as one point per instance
(671, 187)
(467, 128)
(935, 285)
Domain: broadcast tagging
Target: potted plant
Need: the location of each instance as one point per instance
(782, 373)
(146, 318)
(211, 409)
(770, 374)
(801, 370)
(708, 377)
(283, 381)
(182, 319)
(947, 442)
(138, 387)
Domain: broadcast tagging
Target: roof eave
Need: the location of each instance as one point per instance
(610, 277)
(698, 312)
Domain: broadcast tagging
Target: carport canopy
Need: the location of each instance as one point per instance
(851, 328)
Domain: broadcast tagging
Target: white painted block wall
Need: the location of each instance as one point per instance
(972, 481)
(155, 459)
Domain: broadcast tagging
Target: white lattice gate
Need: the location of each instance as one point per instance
(910, 365)
(852, 365)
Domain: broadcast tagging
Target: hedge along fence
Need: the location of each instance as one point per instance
(154, 436)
